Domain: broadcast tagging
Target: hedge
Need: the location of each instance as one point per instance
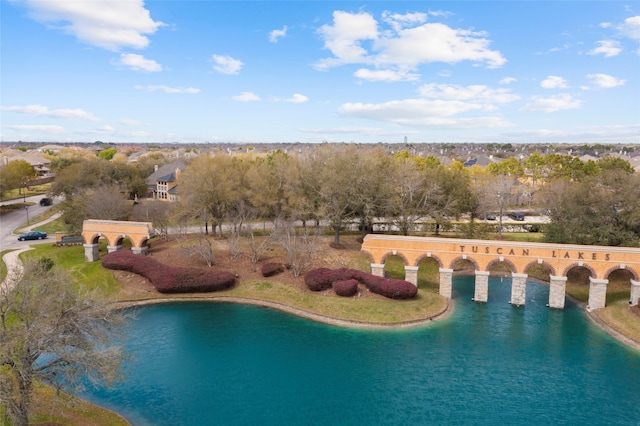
(323, 278)
(169, 279)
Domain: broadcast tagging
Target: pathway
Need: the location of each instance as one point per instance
(11, 259)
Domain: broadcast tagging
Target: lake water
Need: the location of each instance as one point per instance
(227, 364)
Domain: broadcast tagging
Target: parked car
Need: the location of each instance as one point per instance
(489, 216)
(46, 202)
(516, 216)
(33, 235)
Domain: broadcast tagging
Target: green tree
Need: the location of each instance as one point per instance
(511, 166)
(274, 186)
(15, 174)
(211, 187)
(107, 154)
(53, 333)
(609, 162)
(600, 210)
(328, 175)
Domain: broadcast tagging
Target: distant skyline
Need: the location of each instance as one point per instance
(313, 71)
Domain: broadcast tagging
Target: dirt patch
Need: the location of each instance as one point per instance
(171, 253)
(635, 310)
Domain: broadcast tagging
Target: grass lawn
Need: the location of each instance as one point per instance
(52, 407)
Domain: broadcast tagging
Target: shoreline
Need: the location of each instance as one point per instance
(324, 319)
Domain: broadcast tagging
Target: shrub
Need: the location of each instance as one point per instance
(169, 279)
(345, 288)
(319, 279)
(271, 269)
(324, 278)
(393, 289)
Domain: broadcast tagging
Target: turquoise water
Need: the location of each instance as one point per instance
(226, 364)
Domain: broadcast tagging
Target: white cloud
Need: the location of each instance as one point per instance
(246, 97)
(102, 130)
(398, 21)
(276, 34)
(605, 81)
(477, 93)
(631, 27)
(139, 63)
(554, 82)
(386, 75)
(43, 111)
(54, 130)
(423, 113)
(401, 46)
(607, 48)
(227, 64)
(344, 36)
(103, 23)
(508, 80)
(559, 102)
(297, 98)
(167, 89)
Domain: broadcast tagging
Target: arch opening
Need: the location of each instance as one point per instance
(394, 267)
(578, 282)
(428, 274)
(619, 286)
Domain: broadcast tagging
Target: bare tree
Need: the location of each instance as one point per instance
(257, 246)
(157, 212)
(52, 333)
(233, 240)
(300, 247)
(201, 247)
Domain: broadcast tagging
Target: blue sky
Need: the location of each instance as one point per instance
(312, 71)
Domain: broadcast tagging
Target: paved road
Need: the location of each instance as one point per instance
(9, 241)
(14, 220)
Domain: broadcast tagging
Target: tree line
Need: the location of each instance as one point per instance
(593, 202)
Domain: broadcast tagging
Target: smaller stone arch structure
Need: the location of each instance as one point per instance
(114, 231)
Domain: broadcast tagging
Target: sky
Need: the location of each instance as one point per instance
(131, 71)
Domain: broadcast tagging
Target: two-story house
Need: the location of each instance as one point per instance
(163, 183)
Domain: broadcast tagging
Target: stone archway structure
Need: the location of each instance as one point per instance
(559, 258)
(114, 231)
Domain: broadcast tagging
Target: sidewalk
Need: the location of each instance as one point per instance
(11, 259)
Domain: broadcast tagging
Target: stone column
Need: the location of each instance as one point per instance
(518, 289)
(91, 253)
(111, 249)
(481, 291)
(377, 269)
(557, 291)
(446, 282)
(411, 274)
(597, 293)
(635, 293)
(139, 250)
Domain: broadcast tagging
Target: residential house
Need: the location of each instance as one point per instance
(163, 183)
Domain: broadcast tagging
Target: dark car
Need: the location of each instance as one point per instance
(46, 202)
(516, 216)
(33, 235)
